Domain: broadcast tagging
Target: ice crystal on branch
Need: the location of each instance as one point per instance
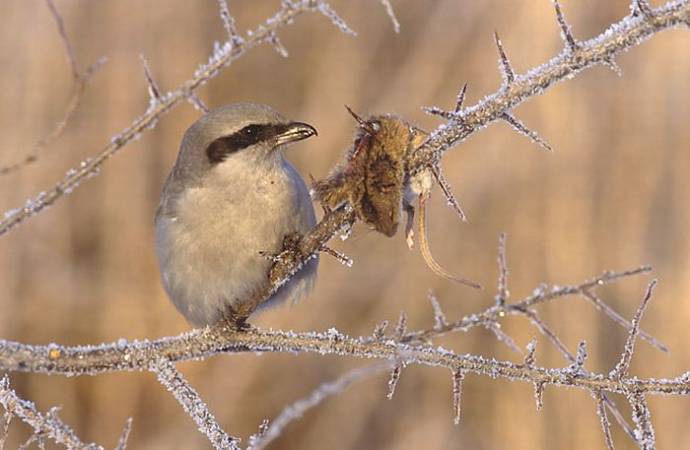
(523, 130)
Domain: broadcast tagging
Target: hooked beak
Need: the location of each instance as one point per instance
(295, 131)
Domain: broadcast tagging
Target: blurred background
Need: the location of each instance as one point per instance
(614, 195)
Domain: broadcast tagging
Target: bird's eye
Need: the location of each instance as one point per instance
(250, 130)
(375, 125)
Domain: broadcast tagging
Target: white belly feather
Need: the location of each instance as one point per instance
(209, 248)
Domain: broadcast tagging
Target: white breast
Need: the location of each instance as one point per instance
(210, 248)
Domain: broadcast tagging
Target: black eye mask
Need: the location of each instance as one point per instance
(252, 134)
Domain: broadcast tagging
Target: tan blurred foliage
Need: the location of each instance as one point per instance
(614, 195)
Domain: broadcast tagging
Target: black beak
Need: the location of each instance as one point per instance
(295, 131)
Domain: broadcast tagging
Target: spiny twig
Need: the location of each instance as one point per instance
(604, 420)
(192, 404)
(223, 57)
(48, 424)
(502, 291)
(621, 369)
(223, 338)
(124, 436)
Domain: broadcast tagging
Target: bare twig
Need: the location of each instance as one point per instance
(391, 14)
(502, 291)
(644, 431)
(193, 405)
(600, 305)
(124, 436)
(603, 418)
(297, 409)
(458, 378)
(48, 424)
(566, 32)
(621, 369)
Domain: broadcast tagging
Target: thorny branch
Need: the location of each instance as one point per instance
(192, 404)
(402, 347)
(224, 55)
(44, 425)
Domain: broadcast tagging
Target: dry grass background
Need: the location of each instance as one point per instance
(614, 195)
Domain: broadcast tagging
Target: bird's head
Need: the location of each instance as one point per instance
(238, 133)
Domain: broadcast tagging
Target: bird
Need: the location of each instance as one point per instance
(229, 202)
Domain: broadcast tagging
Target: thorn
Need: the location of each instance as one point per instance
(380, 330)
(495, 328)
(393, 380)
(577, 366)
(197, 102)
(401, 327)
(566, 32)
(504, 63)
(436, 111)
(460, 99)
(621, 370)
(447, 191)
(523, 130)
(502, 291)
(539, 394)
(440, 321)
(229, 24)
(530, 355)
(611, 64)
(277, 45)
(154, 92)
(362, 123)
(458, 377)
(641, 7)
(340, 257)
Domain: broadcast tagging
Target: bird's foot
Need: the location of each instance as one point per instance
(289, 251)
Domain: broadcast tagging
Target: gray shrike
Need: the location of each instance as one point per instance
(230, 200)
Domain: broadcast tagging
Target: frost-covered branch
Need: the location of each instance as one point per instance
(223, 338)
(44, 425)
(518, 88)
(192, 404)
(223, 56)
